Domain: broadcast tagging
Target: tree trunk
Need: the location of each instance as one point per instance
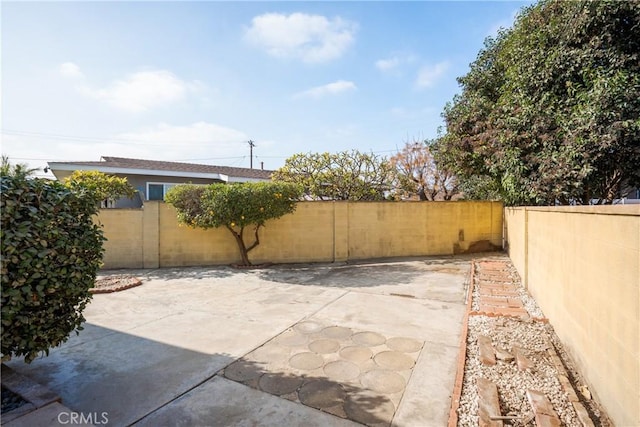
(422, 194)
(241, 246)
(244, 250)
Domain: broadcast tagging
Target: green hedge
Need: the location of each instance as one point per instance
(51, 253)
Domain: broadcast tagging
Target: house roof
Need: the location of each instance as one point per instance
(129, 166)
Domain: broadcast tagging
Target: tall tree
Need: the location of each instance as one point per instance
(550, 110)
(420, 175)
(106, 189)
(235, 207)
(347, 175)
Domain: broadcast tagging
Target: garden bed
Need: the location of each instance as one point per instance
(516, 371)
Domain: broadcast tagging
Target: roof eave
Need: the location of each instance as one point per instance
(134, 171)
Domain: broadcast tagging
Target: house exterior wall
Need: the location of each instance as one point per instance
(582, 266)
(139, 182)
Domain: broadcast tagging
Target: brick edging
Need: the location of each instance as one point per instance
(462, 354)
(116, 288)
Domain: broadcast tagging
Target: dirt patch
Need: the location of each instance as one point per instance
(115, 283)
(251, 266)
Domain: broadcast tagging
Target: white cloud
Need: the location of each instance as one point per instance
(312, 38)
(328, 89)
(71, 70)
(429, 74)
(200, 142)
(395, 62)
(137, 92)
(197, 134)
(144, 90)
(387, 64)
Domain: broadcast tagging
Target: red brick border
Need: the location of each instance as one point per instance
(457, 386)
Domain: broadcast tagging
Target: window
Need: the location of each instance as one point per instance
(156, 191)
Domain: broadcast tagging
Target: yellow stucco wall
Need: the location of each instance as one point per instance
(582, 265)
(317, 232)
(515, 243)
(382, 229)
(123, 230)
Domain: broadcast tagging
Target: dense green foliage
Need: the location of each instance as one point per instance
(100, 185)
(51, 252)
(348, 175)
(550, 110)
(235, 207)
(418, 174)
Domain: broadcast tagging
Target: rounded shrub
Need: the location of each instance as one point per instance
(51, 253)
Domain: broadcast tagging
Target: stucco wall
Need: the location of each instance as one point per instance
(316, 232)
(582, 265)
(123, 230)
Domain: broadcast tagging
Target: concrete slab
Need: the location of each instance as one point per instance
(221, 403)
(55, 414)
(427, 398)
(350, 373)
(417, 278)
(424, 319)
(155, 353)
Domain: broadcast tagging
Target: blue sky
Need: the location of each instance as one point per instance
(193, 81)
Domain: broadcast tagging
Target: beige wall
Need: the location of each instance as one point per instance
(123, 230)
(317, 232)
(582, 265)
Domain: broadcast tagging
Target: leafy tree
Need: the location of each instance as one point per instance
(235, 207)
(19, 170)
(104, 188)
(419, 174)
(347, 175)
(550, 109)
(51, 251)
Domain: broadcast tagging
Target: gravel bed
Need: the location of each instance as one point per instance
(533, 338)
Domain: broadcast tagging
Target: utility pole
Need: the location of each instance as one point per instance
(251, 145)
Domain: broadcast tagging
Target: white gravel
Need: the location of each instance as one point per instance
(533, 338)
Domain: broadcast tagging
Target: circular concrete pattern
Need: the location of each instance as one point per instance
(368, 338)
(383, 381)
(279, 384)
(242, 371)
(291, 339)
(394, 360)
(324, 346)
(308, 327)
(321, 394)
(337, 332)
(369, 409)
(267, 353)
(356, 354)
(341, 370)
(306, 361)
(406, 345)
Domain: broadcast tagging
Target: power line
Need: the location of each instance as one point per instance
(111, 140)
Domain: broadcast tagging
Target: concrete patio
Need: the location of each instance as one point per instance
(316, 345)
